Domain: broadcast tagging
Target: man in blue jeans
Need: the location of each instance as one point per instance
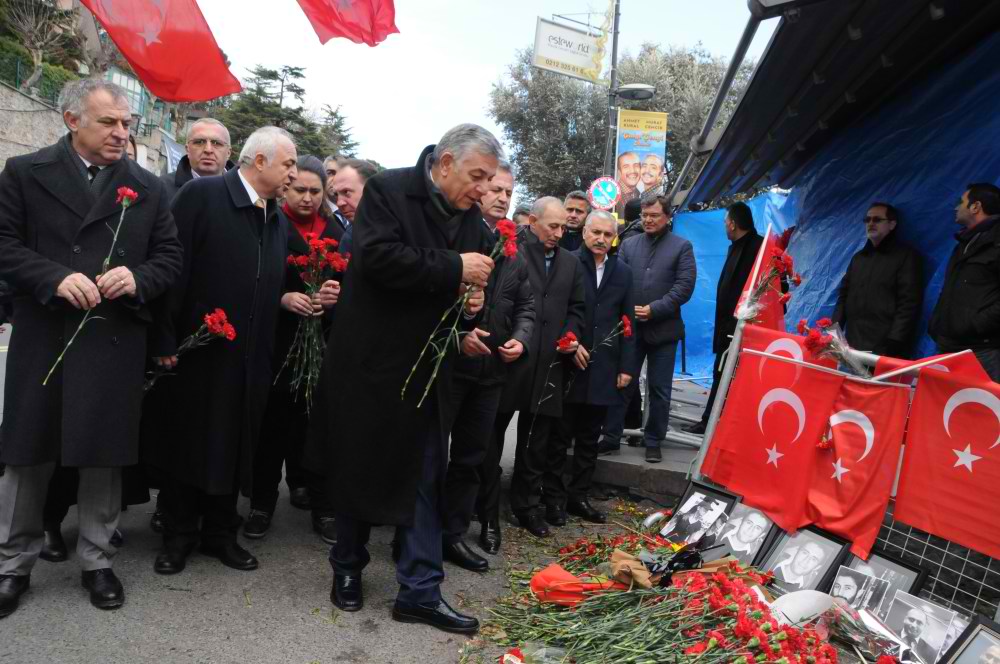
(663, 273)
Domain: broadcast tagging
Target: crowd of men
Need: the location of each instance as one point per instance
(217, 233)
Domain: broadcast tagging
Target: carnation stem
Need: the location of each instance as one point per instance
(114, 240)
(86, 317)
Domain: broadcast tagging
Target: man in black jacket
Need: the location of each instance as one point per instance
(577, 208)
(967, 314)
(502, 337)
(743, 248)
(208, 149)
(882, 292)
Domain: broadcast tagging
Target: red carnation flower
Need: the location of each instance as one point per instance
(229, 332)
(216, 322)
(507, 229)
(330, 242)
(803, 326)
(784, 298)
(126, 196)
(797, 280)
(626, 327)
(510, 248)
(824, 323)
(566, 341)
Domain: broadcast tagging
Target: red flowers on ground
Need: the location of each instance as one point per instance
(566, 341)
(126, 197)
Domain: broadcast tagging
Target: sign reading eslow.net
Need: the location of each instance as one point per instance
(568, 51)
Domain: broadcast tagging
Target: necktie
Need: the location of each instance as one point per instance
(92, 172)
(261, 203)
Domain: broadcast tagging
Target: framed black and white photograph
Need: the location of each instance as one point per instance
(697, 511)
(900, 575)
(921, 626)
(805, 560)
(979, 643)
(859, 590)
(744, 534)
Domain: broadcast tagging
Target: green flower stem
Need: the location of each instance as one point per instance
(86, 317)
(114, 239)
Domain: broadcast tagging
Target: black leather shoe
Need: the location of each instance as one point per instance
(232, 555)
(326, 526)
(490, 537)
(347, 593)
(586, 511)
(169, 561)
(257, 524)
(106, 591)
(698, 428)
(653, 455)
(117, 539)
(607, 447)
(54, 549)
(11, 589)
(440, 616)
(460, 554)
(300, 498)
(534, 524)
(555, 516)
(158, 522)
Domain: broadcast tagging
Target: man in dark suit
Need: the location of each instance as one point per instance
(534, 386)
(598, 376)
(577, 208)
(417, 248)
(349, 185)
(200, 426)
(743, 248)
(64, 264)
(208, 149)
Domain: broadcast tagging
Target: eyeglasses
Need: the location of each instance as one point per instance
(874, 220)
(200, 142)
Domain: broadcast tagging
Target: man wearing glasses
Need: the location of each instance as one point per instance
(880, 297)
(208, 150)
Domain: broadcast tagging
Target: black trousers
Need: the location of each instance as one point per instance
(529, 462)
(282, 439)
(186, 506)
(716, 379)
(580, 426)
(473, 408)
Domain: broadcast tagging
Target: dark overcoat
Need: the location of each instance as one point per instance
(605, 306)
(403, 275)
(559, 308)
(664, 274)
(739, 262)
(52, 224)
(200, 426)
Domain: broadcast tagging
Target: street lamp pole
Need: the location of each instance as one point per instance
(612, 94)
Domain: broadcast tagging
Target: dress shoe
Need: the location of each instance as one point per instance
(555, 516)
(586, 511)
(438, 615)
(158, 522)
(534, 524)
(460, 554)
(170, 561)
(300, 498)
(326, 526)
(257, 524)
(54, 549)
(606, 447)
(232, 555)
(11, 589)
(653, 455)
(117, 539)
(347, 593)
(106, 591)
(490, 537)
(698, 428)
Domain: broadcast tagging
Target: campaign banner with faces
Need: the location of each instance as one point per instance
(640, 159)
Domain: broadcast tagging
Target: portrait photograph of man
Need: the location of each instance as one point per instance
(800, 561)
(694, 519)
(896, 574)
(859, 590)
(920, 625)
(745, 533)
(651, 172)
(983, 648)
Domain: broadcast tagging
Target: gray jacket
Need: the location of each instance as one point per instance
(663, 272)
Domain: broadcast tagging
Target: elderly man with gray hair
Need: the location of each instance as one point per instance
(208, 148)
(419, 244)
(200, 425)
(63, 262)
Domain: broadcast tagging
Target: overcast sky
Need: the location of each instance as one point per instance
(438, 71)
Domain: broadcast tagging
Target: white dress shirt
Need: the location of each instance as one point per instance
(251, 192)
(600, 270)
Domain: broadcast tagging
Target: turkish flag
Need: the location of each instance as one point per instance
(774, 342)
(361, 21)
(964, 363)
(950, 482)
(772, 312)
(852, 481)
(765, 443)
(169, 45)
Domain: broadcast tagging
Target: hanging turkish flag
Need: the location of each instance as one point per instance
(964, 363)
(950, 482)
(852, 480)
(361, 21)
(169, 45)
(771, 313)
(765, 443)
(773, 342)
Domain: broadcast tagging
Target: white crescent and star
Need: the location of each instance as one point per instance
(773, 455)
(839, 470)
(862, 421)
(971, 395)
(965, 458)
(781, 395)
(782, 345)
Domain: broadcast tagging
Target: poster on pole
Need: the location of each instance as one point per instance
(641, 154)
(568, 51)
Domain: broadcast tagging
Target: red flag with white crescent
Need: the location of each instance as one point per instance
(169, 45)
(361, 21)
(788, 345)
(765, 444)
(853, 476)
(950, 481)
(772, 312)
(964, 363)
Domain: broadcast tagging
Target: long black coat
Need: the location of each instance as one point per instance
(606, 304)
(880, 298)
(403, 275)
(201, 425)
(739, 262)
(559, 308)
(52, 224)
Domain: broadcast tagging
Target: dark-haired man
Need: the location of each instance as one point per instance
(880, 296)
(967, 314)
(577, 208)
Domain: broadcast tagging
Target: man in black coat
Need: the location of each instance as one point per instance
(597, 376)
(967, 313)
(200, 425)
(577, 208)
(208, 149)
(501, 338)
(882, 292)
(534, 386)
(64, 264)
(743, 249)
(418, 239)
